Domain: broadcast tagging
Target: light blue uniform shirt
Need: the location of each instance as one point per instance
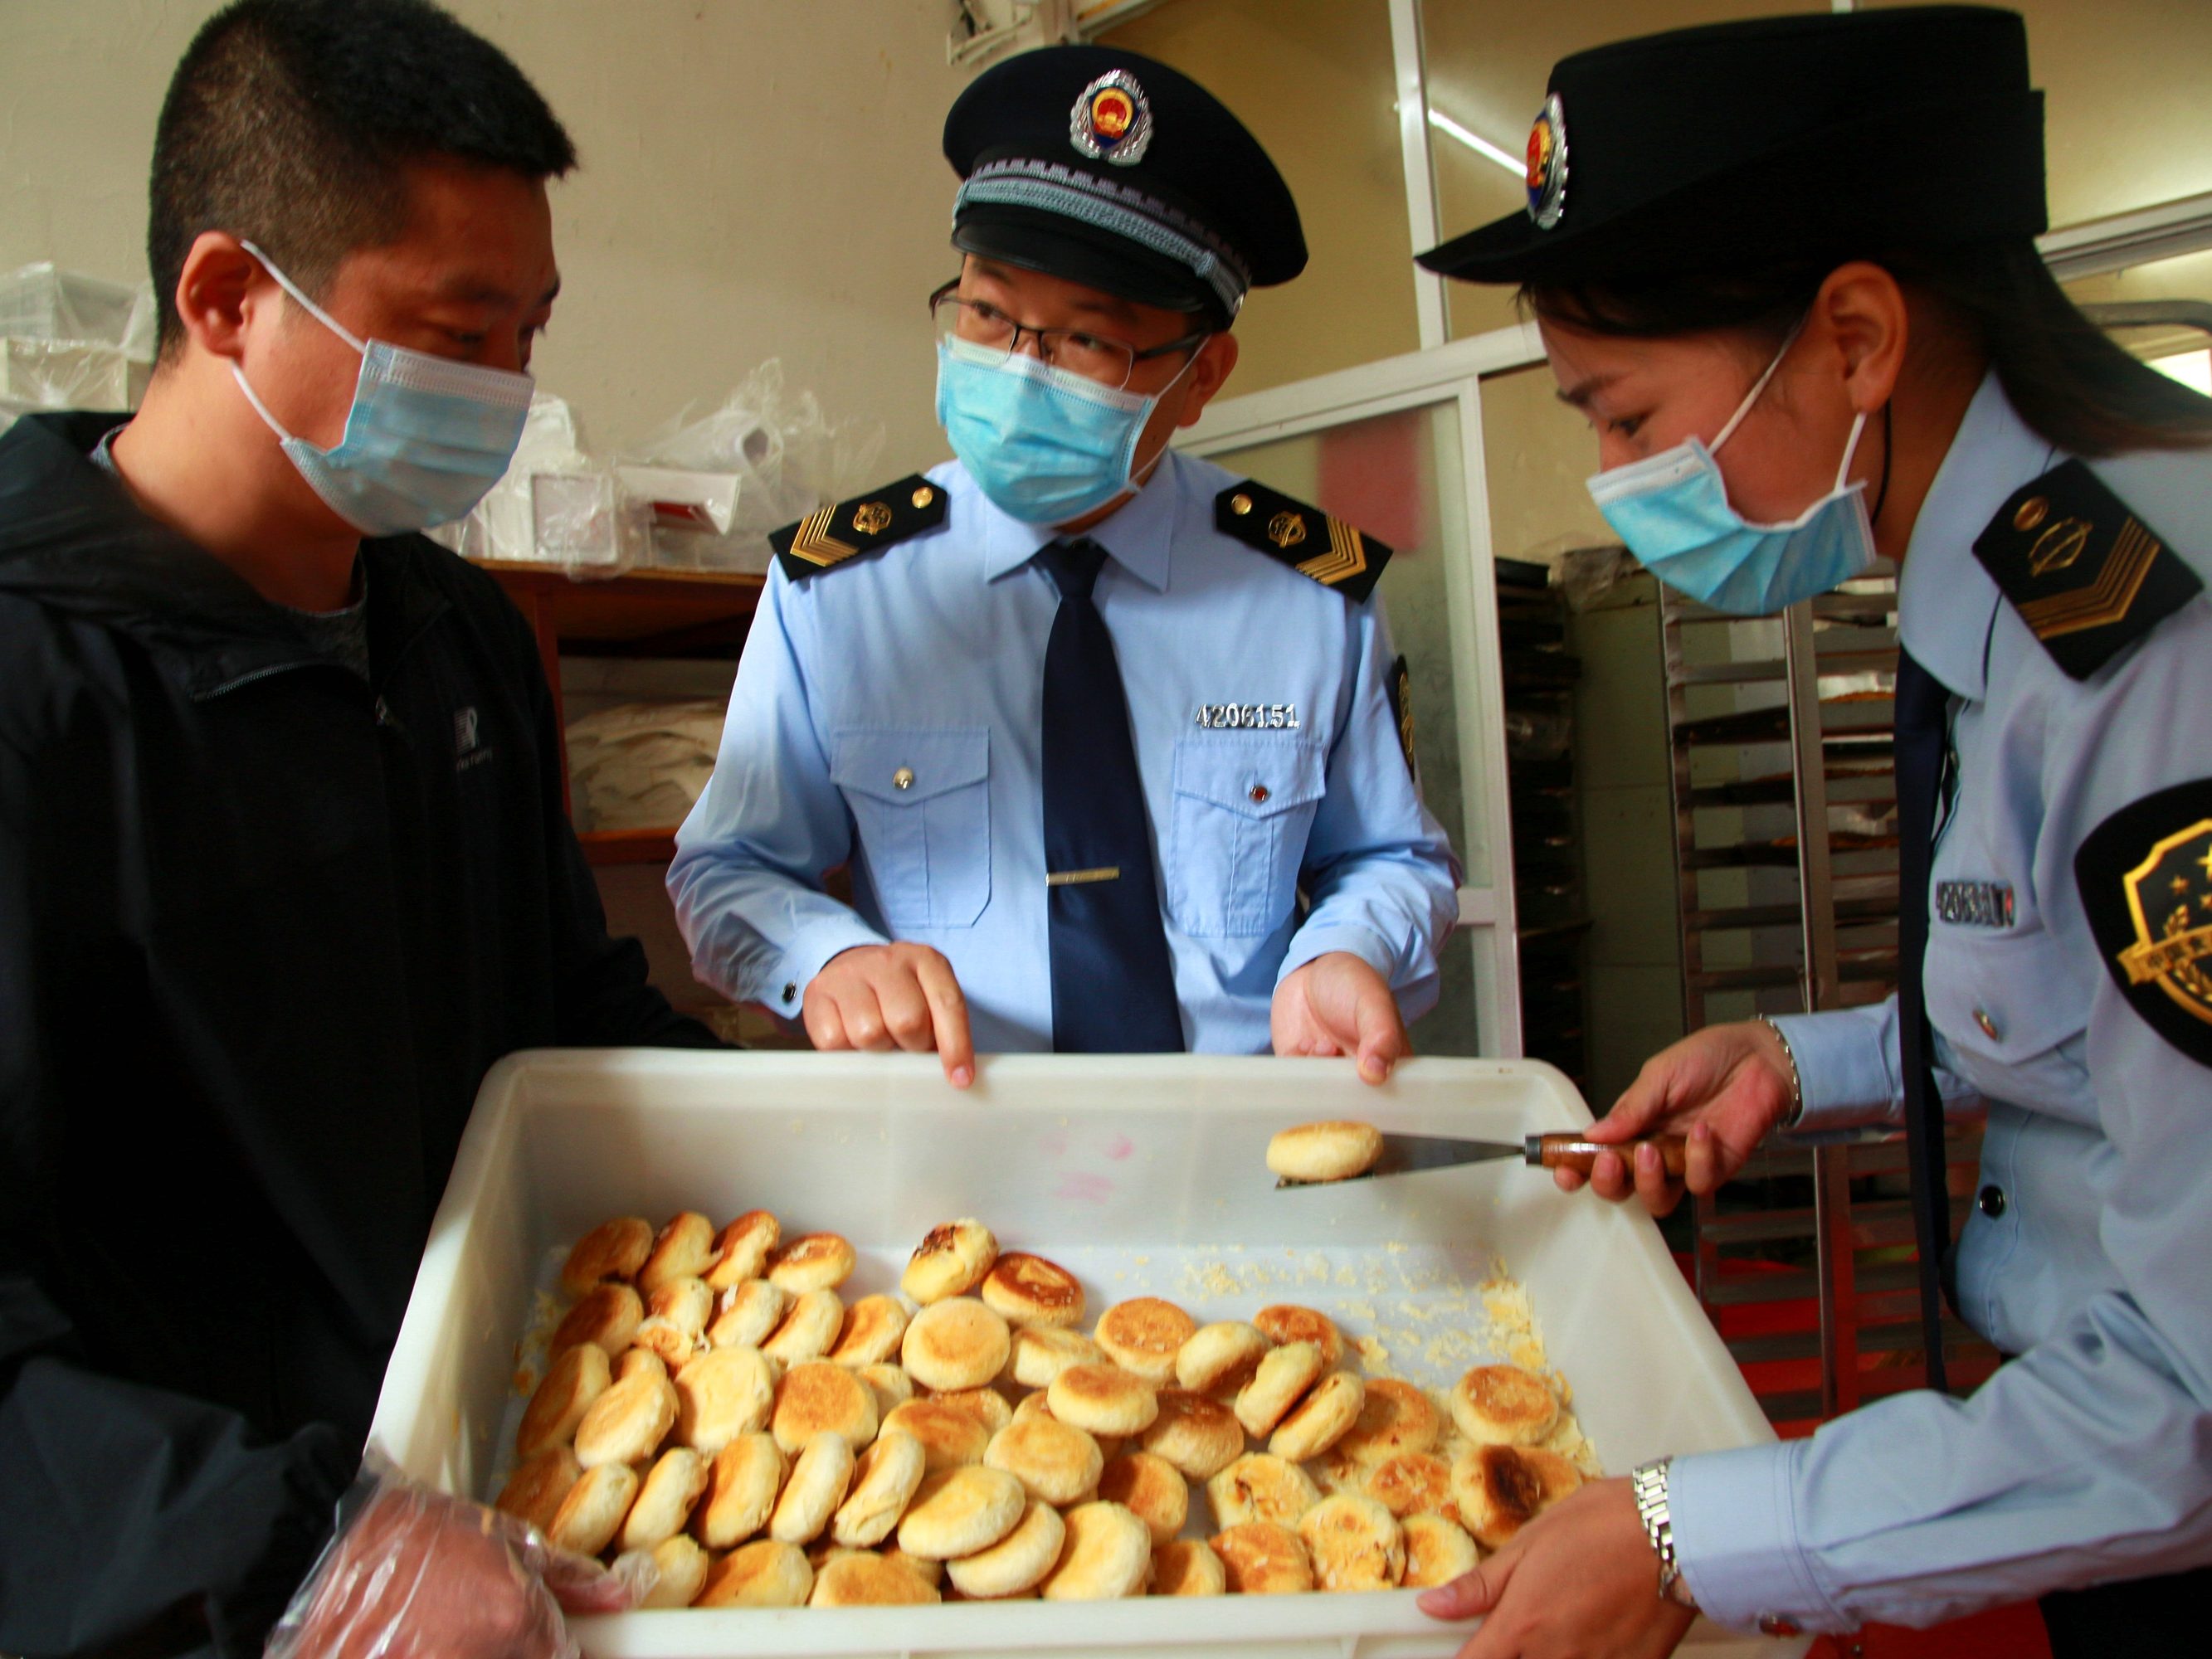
(2089, 1457)
(927, 659)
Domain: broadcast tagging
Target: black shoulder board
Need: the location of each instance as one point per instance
(827, 537)
(1304, 538)
(2142, 874)
(2085, 573)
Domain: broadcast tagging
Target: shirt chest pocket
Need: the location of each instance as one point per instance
(921, 799)
(1243, 804)
(2013, 1007)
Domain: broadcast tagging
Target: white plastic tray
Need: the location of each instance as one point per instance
(1144, 1174)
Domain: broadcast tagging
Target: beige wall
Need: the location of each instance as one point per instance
(760, 177)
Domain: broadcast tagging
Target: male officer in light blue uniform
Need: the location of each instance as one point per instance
(1855, 243)
(1085, 719)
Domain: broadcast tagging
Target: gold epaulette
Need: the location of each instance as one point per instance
(825, 538)
(1310, 541)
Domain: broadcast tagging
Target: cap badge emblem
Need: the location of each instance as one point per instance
(1547, 164)
(1112, 120)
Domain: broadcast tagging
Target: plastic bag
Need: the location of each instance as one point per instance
(504, 524)
(68, 340)
(642, 765)
(413, 1574)
(1586, 574)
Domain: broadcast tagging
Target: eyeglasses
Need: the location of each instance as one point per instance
(1109, 362)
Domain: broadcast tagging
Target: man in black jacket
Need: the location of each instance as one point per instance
(283, 862)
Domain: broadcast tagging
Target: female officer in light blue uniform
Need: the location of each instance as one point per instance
(1786, 268)
(1085, 718)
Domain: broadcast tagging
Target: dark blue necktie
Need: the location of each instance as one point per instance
(1923, 714)
(1113, 984)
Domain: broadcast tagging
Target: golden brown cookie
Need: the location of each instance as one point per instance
(627, 1422)
(1288, 1323)
(741, 1249)
(665, 1498)
(685, 1302)
(808, 1329)
(1281, 1382)
(1498, 1490)
(960, 1511)
(1104, 1399)
(1260, 1487)
(1217, 1353)
(1195, 1433)
(667, 1341)
(766, 1574)
(1149, 1487)
(813, 1261)
(1051, 1461)
(951, 1261)
(1041, 1352)
(1395, 1419)
(741, 1492)
(1437, 1550)
(722, 1393)
(820, 1476)
(1028, 1290)
(884, 1481)
(679, 1567)
(865, 1580)
(1017, 1562)
(1263, 1558)
(536, 1488)
(986, 1405)
(955, 1344)
(1106, 1555)
(1408, 1484)
(589, 1515)
(1143, 1334)
(634, 1360)
(1504, 1405)
(607, 1315)
(1353, 1544)
(889, 1383)
(950, 1437)
(1324, 1151)
(818, 1396)
(576, 1378)
(685, 1249)
(748, 1314)
(1187, 1567)
(613, 1250)
(1320, 1419)
(871, 1332)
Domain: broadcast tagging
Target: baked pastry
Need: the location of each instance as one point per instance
(667, 1341)
(1324, 1151)
(626, 1424)
(808, 1329)
(1028, 1290)
(741, 1492)
(1215, 1354)
(1017, 1562)
(1260, 1487)
(748, 1314)
(1051, 1461)
(685, 1302)
(1106, 1555)
(1411, 1483)
(1504, 1405)
(634, 1360)
(766, 1574)
(679, 1567)
(958, 1343)
(1144, 1336)
(613, 1250)
(1195, 1433)
(665, 1498)
(950, 1437)
(818, 1396)
(928, 1571)
(536, 1488)
(1187, 1567)
(890, 1384)
(813, 1261)
(869, 1332)
(986, 1405)
(1041, 1352)
(1280, 1383)
(576, 1378)
(865, 1580)
(1437, 1550)
(819, 1480)
(1286, 1321)
(1353, 1543)
(685, 1249)
(722, 1393)
(1149, 1487)
(884, 1481)
(1102, 1399)
(1263, 1558)
(1320, 1419)
(589, 1515)
(951, 1261)
(1395, 1419)
(960, 1511)
(1498, 1490)
(608, 1315)
(741, 1249)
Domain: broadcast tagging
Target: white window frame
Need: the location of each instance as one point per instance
(1445, 373)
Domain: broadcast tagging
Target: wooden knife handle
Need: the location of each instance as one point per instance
(1568, 1150)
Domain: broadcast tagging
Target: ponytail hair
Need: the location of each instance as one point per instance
(2065, 377)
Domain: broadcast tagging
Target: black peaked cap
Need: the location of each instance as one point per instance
(1179, 207)
(1774, 138)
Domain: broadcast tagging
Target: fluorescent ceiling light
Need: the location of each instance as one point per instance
(1451, 128)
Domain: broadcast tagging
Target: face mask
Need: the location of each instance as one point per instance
(1044, 445)
(1672, 509)
(424, 441)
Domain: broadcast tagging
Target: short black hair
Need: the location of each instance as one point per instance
(291, 124)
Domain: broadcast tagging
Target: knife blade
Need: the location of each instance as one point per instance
(1404, 1154)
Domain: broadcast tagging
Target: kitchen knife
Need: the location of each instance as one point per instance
(1565, 1150)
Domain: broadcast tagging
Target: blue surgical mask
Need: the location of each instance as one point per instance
(424, 441)
(1044, 445)
(1672, 509)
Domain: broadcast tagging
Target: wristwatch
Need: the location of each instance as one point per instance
(1648, 1484)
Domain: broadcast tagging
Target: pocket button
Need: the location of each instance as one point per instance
(903, 778)
(1989, 1026)
(1259, 794)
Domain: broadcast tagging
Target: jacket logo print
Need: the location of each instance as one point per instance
(466, 751)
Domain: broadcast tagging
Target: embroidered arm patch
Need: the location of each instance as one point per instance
(825, 538)
(1401, 713)
(1307, 539)
(2145, 875)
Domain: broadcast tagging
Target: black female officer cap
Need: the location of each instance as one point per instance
(1112, 171)
(1774, 138)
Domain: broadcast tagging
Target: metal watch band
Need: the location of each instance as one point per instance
(1649, 1485)
(1796, 1083)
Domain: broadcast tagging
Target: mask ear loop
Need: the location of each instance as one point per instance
(1758, 387)
(1133, 468)
(238, 371)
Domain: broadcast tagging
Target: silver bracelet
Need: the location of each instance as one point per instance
(1796, 1083)
(1649, 1485)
